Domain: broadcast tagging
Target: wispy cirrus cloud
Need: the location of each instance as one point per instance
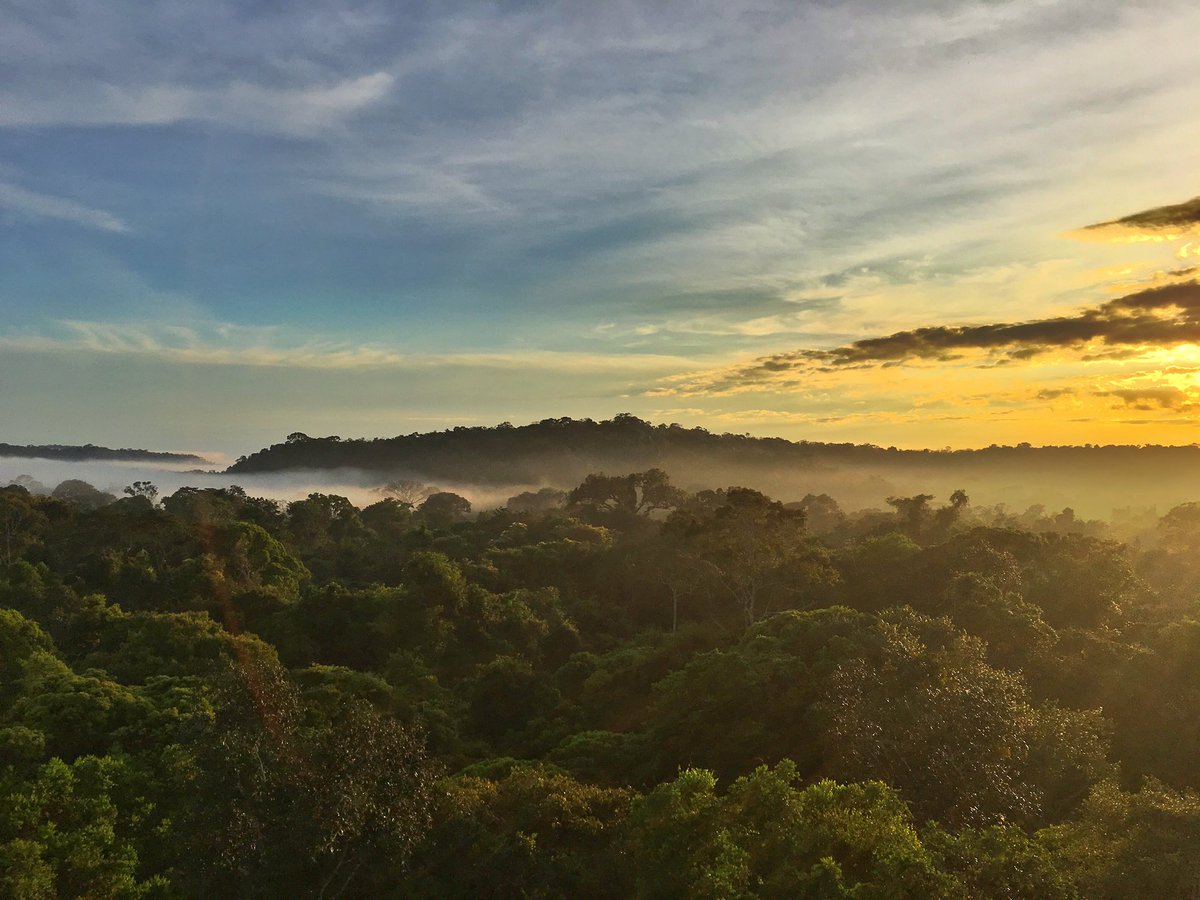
(630, 151)
(43, 206)
(227, 344)
(301, 110)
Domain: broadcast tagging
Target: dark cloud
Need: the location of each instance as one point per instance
(1054, 393)
(1163, 316)
(1179, 214)
(1150, 398)
(1171, 420)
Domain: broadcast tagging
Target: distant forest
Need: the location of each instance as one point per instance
(90, 452)
(560, 452)
(574, 447)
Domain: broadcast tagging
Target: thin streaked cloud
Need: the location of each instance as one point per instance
(43, 206)
(225, 344)
(241, 105)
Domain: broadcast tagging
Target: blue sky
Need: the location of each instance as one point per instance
(222, 222)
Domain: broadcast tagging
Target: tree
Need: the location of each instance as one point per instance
(21, 522)
(443, 509)
(1000, 861)
(989, 607)
(822, 514)
(946, 517)
(30, 484)
(81, 494)
(682, 844)
(667, 563)
(1142, 844)
(913, 514)
(636, 494)
(528, 833)
(286, 807)
(389, 518)
(25, 649)
(62, 834)
(1180, 528)
(407, 491)
(874, 569)
(142, 489)
(505, 695)
(215, 506)
(1171, 567)
(961, 740)
(732, 708)
(753, 550)
(1134, 694)
(830, 839)
(768, 837)
(329, 533)
(315, 519)
(538, 502)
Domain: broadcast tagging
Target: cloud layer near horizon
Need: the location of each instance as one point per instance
(1156, 317)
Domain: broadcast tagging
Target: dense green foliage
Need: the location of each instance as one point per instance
(624, 690)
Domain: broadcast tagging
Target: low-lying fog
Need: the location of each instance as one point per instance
(1130, 488)
(359, 486)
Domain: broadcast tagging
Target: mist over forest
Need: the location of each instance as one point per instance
(1093, 480)
(445, 672)
(362, 487)
(488, 465)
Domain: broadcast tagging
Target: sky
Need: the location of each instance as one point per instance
(900, 223)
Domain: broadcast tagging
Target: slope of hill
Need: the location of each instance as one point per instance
(562, 452)
(89, 452)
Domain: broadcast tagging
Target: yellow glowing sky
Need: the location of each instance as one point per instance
(1088, 391)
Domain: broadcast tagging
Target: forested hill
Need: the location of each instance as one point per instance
(563, 451)
(89, 452)
(564, 448)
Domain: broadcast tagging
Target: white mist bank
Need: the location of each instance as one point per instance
(854, 487)
(360, 487)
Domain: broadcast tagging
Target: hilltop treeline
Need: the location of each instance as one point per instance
(505, 453)
(548, 450)
(561, 452)
(90, 452)
(622, 690)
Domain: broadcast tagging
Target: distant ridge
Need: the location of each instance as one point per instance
(564, 450)
(90, 452)
(551, 447)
